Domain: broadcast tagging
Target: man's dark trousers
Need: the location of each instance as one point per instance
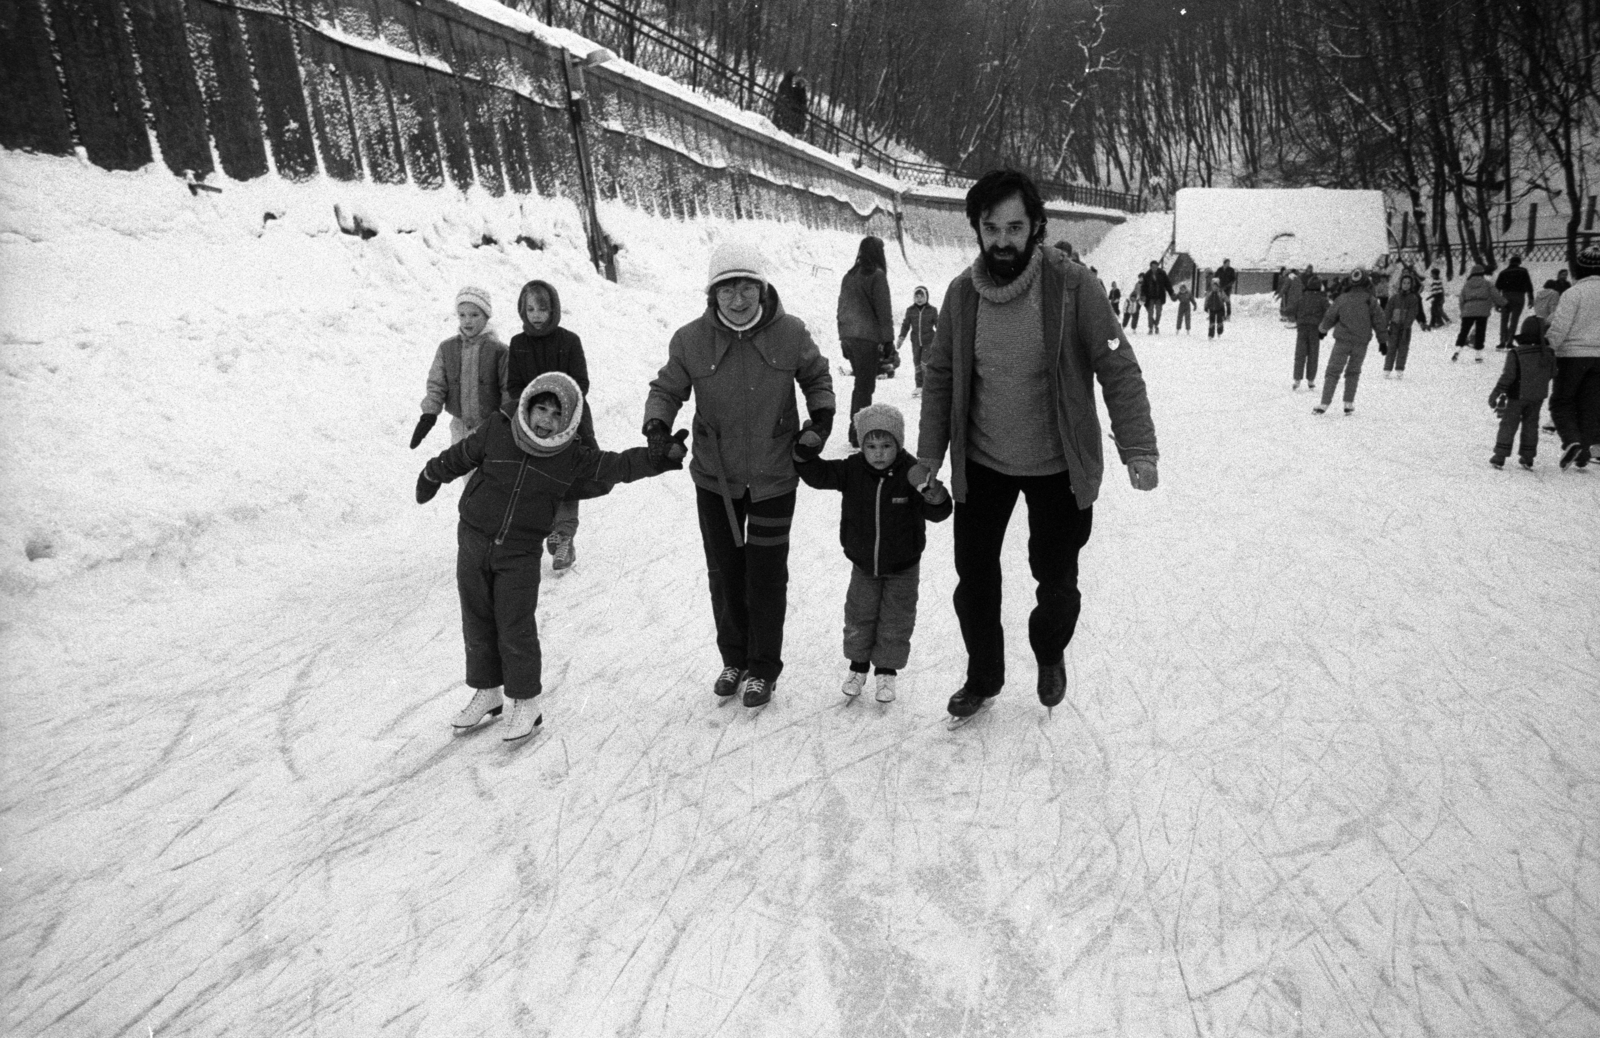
(1057, 530)
(749, 584)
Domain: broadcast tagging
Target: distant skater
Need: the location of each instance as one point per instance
(865, 320)
(1216, 310)
(1354, 318)
(1308, 313)
(1404, 307)
(468, 376)
(1519, 394)
(921, 321)
(1185, 308)
(1478, 299)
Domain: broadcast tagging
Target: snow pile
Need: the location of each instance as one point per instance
(1127, 249)
(179, 365)
(1267, 228)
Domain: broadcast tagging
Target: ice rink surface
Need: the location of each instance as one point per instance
(1328, 764)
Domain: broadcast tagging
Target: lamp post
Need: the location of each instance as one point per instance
(600, 253)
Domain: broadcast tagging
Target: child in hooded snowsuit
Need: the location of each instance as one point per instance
(1216, 310)
(1309, 311)
(1519, 394)
(544, 345)
(469, 372)
(524, 460)
(921, 320)
(882, 521)
(1404, 307)
(1185, 308)
(1354, 318)
(1131, 306)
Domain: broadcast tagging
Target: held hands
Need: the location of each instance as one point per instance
(927, 484)
(426, 488)
(1497, 399)
(424, 425)
(676, 451)
(1142, 474)
(659, 440)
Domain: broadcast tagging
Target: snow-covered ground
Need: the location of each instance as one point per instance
(1329, 766)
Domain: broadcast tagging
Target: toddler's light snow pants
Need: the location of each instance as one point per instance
(879, 616)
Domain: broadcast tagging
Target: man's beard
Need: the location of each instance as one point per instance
(1005, 264)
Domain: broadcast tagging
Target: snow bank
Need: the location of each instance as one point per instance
(232, 365)
(1267, 228)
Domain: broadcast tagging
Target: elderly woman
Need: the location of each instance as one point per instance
(742, 359)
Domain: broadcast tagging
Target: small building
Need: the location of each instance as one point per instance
(1259, 230)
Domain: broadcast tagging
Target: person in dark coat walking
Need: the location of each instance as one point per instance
(524, 460)
(789, 108)
(743, 360)
(881, 526)
(921, 320)
(1516, 289)
(544, 345)
(1227, 277)
(1155, 288)
(866, 321)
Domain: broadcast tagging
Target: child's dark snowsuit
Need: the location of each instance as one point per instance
(1216, 310)
(920, 322)
(1521, 391)
(507, 511)
(1185, 307)
(882, 528)
(1403, 307)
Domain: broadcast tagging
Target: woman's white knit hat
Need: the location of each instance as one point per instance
(736, 259)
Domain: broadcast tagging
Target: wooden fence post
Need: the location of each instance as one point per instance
(1533, 223)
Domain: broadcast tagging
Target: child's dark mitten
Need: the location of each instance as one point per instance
(804, 451)
(424, 425)
(426, 488)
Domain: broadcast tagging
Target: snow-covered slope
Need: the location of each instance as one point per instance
(1327, 765)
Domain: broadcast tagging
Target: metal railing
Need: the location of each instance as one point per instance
(665, 52)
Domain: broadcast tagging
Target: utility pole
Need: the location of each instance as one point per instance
(600, 253)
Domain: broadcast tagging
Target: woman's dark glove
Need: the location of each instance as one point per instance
(426, 488)
(659, 438)
(815, 432)
(676, 451)
(424, 425)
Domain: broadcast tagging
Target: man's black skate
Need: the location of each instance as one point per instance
(966, 702)
(727, 683)
(1053, 683)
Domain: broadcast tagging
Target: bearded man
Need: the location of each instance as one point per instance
(1009, 393)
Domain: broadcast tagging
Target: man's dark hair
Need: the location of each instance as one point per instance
(995, 187)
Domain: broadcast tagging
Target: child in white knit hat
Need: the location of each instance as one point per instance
(887, 499)
(469, 377)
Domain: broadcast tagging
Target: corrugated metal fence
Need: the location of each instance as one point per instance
(395, 91)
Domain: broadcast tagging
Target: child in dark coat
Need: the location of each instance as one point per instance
(921, 321)
(1404, 306)
(1185, 308)
(1216, 309)
(525, 459)
(543, 345)
(1520, 393)
(1309, 310)
(887, 498)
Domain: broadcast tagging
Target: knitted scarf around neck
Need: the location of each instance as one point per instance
(1013, 289)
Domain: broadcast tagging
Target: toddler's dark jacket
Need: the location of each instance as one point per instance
(1529, 366)
(882, 517)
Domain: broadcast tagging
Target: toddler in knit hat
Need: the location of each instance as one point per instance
(470, 376)
(887, 499)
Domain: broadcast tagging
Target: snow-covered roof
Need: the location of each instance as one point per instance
(1268, 228)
